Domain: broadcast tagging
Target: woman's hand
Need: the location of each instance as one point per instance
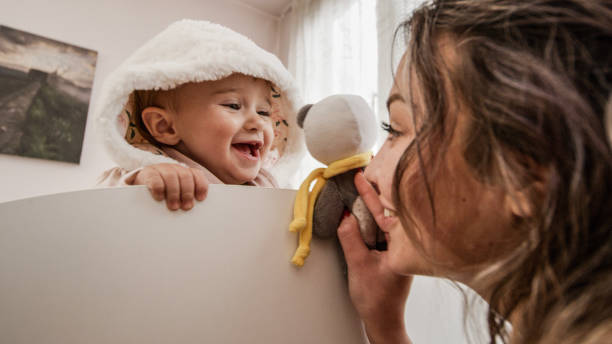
(378, 294)
(177, 184)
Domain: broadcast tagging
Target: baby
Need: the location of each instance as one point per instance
(199, 104)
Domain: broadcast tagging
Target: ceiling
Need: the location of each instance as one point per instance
(272, 7)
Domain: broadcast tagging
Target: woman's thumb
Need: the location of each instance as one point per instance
(352, 243)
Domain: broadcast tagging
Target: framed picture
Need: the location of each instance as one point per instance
(45, 87)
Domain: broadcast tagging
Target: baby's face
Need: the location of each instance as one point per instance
(224, 125)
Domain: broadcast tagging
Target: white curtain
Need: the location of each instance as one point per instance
(345, 46)
(389, 14)
(333, 48)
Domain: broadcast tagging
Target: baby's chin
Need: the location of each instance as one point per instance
(242, 177)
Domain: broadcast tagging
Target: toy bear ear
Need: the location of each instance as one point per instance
(301, 116)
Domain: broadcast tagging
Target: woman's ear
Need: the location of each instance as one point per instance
(518, 203)
(160, 124)
(523, 201)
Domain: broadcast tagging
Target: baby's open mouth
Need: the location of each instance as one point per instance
(250, 150)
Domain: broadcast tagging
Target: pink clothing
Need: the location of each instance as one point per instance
(118, 176)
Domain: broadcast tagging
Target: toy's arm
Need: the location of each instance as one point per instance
(328, 211)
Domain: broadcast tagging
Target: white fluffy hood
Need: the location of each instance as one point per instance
(194, 51)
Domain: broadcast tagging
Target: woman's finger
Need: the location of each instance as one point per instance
(370, 198)
(355, 250)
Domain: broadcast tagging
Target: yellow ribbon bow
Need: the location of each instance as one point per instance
(303, 208)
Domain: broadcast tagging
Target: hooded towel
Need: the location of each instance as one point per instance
(195, 51)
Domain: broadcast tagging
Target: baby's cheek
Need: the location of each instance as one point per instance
(269, 158)
(280, 131)
(269, 154)
(269, 135)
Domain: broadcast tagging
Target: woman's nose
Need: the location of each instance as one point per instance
(371, 173)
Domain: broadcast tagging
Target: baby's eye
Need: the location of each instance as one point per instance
(393, 133)
(264, 113)
(233, 106)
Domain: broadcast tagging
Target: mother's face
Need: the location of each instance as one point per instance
(472, 220)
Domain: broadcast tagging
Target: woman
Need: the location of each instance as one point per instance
(497, 171)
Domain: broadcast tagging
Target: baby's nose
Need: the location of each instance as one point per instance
(255, 122)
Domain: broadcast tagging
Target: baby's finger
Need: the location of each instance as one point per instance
(173, 188)
(201, 184)
(154, 182)
(355, 250)
(187, 187)
(370, 197)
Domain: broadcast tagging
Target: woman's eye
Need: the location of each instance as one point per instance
(393, 133)
(264, 113)
(233, 106)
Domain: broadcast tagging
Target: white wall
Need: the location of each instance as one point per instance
(284, 36)
(114, 28)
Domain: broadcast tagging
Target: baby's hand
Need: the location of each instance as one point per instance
(177, 184)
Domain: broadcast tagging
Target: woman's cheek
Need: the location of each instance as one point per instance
(389, 157)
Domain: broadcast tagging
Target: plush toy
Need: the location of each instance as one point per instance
(339, 130)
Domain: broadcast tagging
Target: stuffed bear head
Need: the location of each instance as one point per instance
(338, 127)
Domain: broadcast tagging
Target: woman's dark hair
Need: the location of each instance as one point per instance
(534, 77)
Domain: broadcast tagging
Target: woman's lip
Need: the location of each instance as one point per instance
(386, 204)
(390, 218)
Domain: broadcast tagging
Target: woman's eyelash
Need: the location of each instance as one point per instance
(263, 113)
(389, 128)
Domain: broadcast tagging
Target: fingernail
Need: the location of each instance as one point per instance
(346, 214)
